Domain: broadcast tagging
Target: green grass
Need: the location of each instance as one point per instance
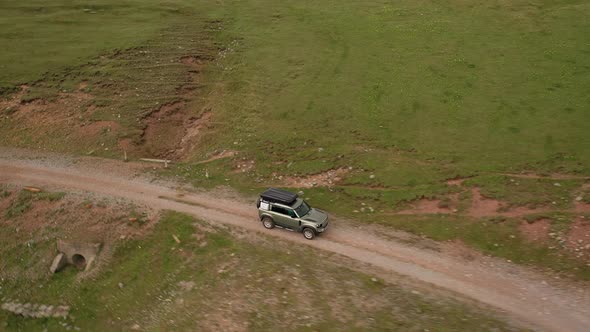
(408, 93)
(142, 285)
(527, 192)
(48, 36)
(412, 92)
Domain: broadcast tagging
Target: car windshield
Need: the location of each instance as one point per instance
(302, 209)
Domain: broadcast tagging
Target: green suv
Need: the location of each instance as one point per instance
(285, 209)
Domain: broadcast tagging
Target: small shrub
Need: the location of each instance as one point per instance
(24, 201)
(497, 219)
(10, 110)
(531, 218)
(52, 197)
(22, 204)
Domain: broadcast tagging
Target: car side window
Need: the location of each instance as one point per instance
(291, 213)
(278, 209)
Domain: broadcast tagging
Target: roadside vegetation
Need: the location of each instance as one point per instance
(398, 98)
(181, 273)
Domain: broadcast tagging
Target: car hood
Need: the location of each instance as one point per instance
(316, 215)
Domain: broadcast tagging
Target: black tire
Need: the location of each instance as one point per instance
(308, 233)
(268, 223)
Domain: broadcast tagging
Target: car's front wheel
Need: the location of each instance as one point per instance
(268, 223)
(308, 233)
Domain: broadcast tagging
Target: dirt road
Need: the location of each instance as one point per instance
(532, 299)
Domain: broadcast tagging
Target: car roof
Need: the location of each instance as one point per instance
(280, 196)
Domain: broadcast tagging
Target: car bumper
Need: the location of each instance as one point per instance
(324, 226)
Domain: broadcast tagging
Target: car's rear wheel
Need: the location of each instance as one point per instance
(308, 233)
(268, 223)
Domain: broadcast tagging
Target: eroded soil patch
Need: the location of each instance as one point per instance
(142, 102)
(174, 129)
(64, 121)
(578, 238)
(537, 231)
(482, 206)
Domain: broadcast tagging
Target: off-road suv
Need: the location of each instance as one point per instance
(285, 209)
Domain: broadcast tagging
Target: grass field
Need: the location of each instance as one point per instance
(212, 279)
(46, 37)
(414, 92)
(404, 94)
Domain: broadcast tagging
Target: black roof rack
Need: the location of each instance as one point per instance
(279, 196)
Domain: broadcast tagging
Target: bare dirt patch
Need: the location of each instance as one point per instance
(65, 120)
(163, 129)
(325, 179)
(582, 207)
(578, 238)
(75, 120)
(15, 100)
(174, 129)
(194, 128)
(482, 206)
(537, 231)
(56, 111)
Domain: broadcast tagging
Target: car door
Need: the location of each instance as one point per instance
(282, 217)
(292, 221)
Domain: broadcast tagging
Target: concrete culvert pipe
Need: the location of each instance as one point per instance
(79, 261)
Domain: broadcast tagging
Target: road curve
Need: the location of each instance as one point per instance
(524, 295)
